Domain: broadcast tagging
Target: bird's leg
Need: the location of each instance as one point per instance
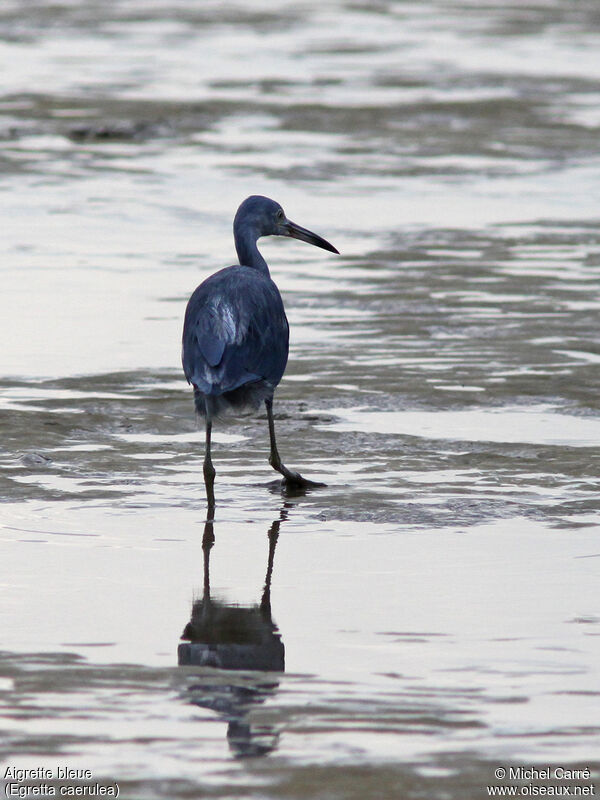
(274, 459)
(209, 470)
(290, 477)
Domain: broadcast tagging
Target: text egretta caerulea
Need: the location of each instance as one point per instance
(235, 334)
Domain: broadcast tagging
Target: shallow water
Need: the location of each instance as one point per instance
(437, 602)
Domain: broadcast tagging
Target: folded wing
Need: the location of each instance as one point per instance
(235, 332)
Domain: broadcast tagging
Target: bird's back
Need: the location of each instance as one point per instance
(235, 339)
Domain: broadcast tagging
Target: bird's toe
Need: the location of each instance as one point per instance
(296, 481)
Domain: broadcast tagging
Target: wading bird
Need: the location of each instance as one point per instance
(235, 333)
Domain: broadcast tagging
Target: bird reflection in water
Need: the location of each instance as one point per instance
(232, 637)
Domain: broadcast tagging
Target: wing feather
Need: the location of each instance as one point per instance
(235, 332)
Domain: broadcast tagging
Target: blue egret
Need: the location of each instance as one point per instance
(236, 334)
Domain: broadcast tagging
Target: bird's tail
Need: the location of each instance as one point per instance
(247, 396)
(205, 405)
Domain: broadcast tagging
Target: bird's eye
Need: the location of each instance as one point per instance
(280, 215)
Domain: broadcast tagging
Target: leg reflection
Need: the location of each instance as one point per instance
(233, 637)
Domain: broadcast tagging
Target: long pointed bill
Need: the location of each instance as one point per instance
(297, 232)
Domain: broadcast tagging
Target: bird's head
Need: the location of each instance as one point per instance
(265, 217)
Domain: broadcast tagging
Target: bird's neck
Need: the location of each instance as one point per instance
(247, 251)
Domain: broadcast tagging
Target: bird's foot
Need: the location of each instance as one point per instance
(297, 481)
(300, 483)
(293, 480)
